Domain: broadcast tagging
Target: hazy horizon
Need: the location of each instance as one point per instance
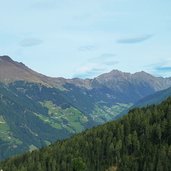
(87, 38)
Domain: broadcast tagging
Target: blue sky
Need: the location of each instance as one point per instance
(84, 38)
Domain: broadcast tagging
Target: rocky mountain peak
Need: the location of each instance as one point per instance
(5, 58)
(142, 74)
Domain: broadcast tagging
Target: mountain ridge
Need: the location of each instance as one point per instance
(11, 71)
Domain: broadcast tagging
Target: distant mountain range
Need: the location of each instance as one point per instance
(11, 71)
(36, 110)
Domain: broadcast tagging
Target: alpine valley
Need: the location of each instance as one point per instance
(36, 110)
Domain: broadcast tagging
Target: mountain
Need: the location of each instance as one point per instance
(114, 77)
(11, 71)
(36, 110)
(34, 117)
(140, 140)
(155, 98)
(20, 125)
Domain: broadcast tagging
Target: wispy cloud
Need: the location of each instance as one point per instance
(162, 68)
(30, 42)
(134, 40)
(96, 66)
(89, 74)
(104, 57)
(87, 48)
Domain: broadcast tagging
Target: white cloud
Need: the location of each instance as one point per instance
(135, 39)
(30, 42)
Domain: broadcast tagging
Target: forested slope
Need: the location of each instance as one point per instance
(140, 140)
